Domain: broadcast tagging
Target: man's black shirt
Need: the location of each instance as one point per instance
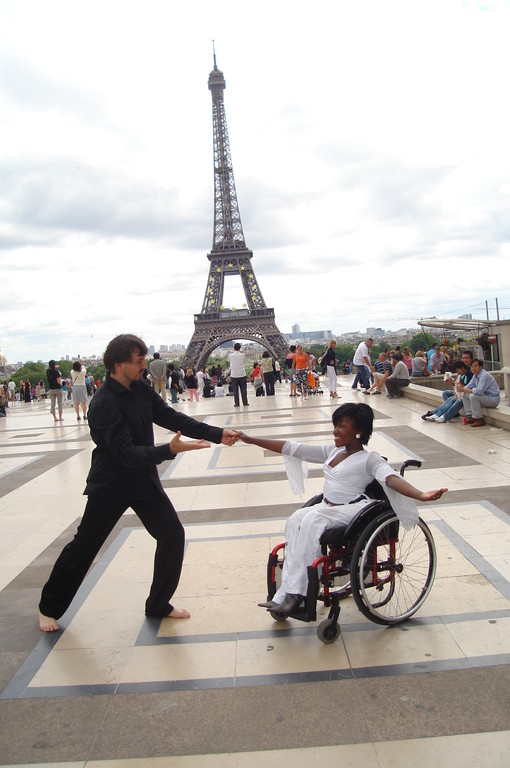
(125, 458)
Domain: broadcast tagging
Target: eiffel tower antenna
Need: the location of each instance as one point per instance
(229, 256)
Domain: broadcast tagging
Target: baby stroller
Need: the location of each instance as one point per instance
(389, 571)
(314, 384)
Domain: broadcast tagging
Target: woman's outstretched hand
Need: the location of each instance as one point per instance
(178, 446)
(433, 495)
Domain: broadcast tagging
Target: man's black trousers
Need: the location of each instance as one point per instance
(100, 517)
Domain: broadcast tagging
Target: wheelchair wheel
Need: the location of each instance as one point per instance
(392, 569)
(328, 631)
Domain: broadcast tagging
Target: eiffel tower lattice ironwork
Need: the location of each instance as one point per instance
(229, 256)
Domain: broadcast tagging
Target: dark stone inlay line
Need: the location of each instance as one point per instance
(11, 481)
(18, 685)
(14, 437)
(62, 441)
(394, 670)
(475, 558)
(149, 636)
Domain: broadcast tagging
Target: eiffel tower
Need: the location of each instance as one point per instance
(229, 256)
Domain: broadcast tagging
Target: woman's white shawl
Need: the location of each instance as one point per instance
(296, 456)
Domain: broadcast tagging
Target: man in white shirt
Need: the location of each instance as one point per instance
(363, 365)
(238, 378)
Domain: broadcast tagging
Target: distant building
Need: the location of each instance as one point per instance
(307, 337)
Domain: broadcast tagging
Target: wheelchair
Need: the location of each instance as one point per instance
(387, 570)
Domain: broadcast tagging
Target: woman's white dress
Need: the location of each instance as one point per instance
(342, 484)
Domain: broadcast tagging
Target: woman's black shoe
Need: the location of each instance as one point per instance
(290, 604)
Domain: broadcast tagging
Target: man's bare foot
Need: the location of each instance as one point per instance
(179, 613)
(47, 624)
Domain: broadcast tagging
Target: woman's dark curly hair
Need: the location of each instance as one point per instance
(362, 416)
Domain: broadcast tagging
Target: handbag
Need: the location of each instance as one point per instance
(257, 381)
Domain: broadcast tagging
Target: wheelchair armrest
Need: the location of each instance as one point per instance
(409, 463)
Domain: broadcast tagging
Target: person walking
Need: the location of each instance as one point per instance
(54, 377)
(80, 397)
(157, 370)
(268, 371)
(328, 363)
(363, 365)
(238, 378)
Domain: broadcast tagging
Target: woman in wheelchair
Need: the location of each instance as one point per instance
(348, 469)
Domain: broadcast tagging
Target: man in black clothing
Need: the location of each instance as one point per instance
(123, 474)
(174, 383)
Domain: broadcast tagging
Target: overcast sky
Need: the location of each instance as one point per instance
(370, 145)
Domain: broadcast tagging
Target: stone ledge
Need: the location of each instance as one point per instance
(496, 417)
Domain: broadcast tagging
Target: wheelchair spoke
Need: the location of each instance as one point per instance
(403, 574)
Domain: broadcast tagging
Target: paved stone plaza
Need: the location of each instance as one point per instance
(230, 687)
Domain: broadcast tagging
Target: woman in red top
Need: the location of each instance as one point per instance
(300, 368)
(257, 372)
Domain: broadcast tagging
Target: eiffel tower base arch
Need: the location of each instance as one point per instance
(211, 330)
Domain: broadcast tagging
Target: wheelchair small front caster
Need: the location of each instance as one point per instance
(328, 631)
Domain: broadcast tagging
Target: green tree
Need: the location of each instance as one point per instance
(31, 371)
(422, 341)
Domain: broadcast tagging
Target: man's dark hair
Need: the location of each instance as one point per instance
(171, 367)
(156, 355)
(480, 362)
(120, 349)
(361, 414)
(52, 364)
(237, 346)
(77, 366)
(468, 352)
(459, 365)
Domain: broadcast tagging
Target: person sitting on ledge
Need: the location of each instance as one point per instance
(482, 392)
(399, 379)
(348, 468)
(452, 405)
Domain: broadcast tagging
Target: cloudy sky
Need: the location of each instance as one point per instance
(370, 144)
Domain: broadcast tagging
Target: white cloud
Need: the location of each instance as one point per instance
(369, 143)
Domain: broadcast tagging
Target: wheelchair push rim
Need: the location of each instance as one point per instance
(392, 570)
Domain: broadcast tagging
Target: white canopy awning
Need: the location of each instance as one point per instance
(480, 326)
